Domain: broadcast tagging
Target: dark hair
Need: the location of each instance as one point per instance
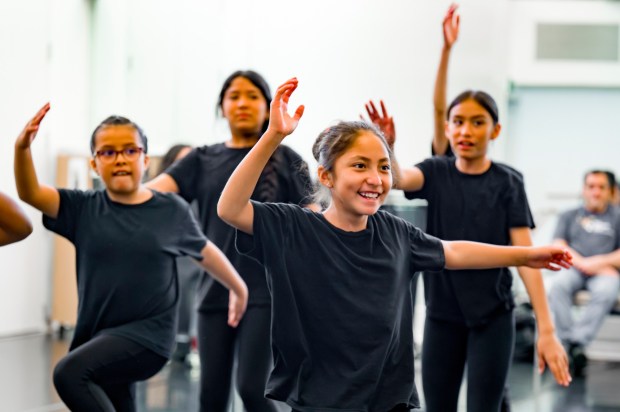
(482, 98)
(170, 157)
(334, 141)
(254, 78)
(611, 177)
(118, 121)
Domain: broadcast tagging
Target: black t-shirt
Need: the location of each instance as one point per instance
(126, 270)
(481, 208)
(202, 175)
(342, 335)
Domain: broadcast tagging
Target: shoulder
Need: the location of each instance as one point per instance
(508, 171)
(170, 199)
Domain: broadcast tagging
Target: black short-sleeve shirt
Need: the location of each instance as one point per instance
(342, 334)
(481, 208)
(202, 175)
(126, 269)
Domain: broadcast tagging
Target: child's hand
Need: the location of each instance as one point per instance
(551, 353)
(549, 257)
(25, 138)
(280, 122)
(382, 120)
(451, 23)
(236, 307)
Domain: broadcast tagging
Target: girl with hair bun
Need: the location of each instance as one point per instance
(341, 320)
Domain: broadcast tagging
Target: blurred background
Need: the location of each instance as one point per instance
(552, 65)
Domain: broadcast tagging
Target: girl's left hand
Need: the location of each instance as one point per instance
(549, 257)
(280, 122)
(551, 353)
(382, 120)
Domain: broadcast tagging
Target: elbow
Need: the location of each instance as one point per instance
(224, 212)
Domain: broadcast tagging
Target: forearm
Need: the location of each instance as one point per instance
(235, 198)
(474, 255)
(42, 197)
(218, 266)
(533, 281)
(440, 142)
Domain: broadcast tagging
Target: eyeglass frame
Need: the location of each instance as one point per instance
(98, 154)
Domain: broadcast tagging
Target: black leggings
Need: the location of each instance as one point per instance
(487, 351)
(218, 344)
(100, 375)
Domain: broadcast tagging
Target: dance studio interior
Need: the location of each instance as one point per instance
(551, 66)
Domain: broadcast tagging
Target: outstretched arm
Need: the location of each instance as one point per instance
(42, 197)
(549, 348)
(474, 255)
(234, 206)
(14, 224)
(450, 25)
(218, 266)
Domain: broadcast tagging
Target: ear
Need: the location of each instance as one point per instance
(93, 165)
(147, 161)
(496, 130)
(325, 177)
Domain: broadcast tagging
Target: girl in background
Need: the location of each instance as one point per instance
(244, 102)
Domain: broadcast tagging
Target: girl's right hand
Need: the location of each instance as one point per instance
(25, 138)
(280, 122)
(451, 23)
(237, 304)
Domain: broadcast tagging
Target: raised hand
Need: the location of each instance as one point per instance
(551, 353)
(451, 23)
(280, 122)
(549, 257)
(382, 120)
(25, 138)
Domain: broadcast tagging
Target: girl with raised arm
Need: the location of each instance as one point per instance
(243, 101)
(126, 239)
(341, 321)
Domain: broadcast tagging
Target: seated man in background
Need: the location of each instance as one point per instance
(592, 233)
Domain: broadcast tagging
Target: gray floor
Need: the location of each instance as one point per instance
(27, 362)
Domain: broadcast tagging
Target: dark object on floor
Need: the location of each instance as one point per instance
(525, 336)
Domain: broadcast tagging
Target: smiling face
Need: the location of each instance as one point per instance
(470, 128)
(245, 107)
(121, 173)
(360, 180)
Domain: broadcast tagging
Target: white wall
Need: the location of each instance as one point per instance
(44, 47)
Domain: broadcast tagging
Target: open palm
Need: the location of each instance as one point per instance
(451, 23)
(280, 121)
(25, 138)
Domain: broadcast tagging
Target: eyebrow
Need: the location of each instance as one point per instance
(476, 116)
(358, 157)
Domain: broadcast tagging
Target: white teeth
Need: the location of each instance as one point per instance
(369, 195)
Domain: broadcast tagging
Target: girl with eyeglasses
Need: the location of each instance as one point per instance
(126, 239)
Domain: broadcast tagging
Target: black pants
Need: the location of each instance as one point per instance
(487, 351)
(219, 345)
(100, 375)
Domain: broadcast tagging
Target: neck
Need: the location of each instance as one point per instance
(347, 223)
(473, 166)
(597, 210)
(240, 140)
(134, 198)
